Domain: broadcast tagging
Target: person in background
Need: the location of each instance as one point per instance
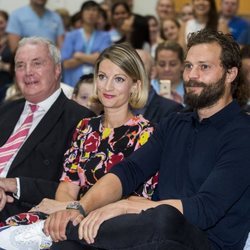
(119, 12)
(103, 20)
(154, 33)
(83, 92)
(202, 197)
(245, 76)
(170, 29)
(165, 9)
(156, 107)
(35, 20)
(228, 13)
(35, 130)
(106, 6)
(98, 143)
(82, 46)
(6, 58)
(64, 14)
(205, 16)
(169, 57)
(76, 20)
(244, 38)
(135, 30)
(186, 12)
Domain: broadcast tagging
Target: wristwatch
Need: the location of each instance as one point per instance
(77, 206)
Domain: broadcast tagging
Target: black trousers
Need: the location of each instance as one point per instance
(163, 227)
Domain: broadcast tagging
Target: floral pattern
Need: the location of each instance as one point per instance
(93, 152)
(95, 149)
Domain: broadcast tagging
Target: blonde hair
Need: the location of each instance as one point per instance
(127, 59)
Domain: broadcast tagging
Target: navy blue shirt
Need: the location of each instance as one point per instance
(205, 164)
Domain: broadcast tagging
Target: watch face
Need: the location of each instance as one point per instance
(73, 205)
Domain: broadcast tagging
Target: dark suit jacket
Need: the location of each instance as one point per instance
(160, 107)
(39, 162)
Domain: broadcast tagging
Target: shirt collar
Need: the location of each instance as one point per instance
(223, 116)
(47, 103)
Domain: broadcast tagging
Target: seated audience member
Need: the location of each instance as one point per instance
(6, 58)
(170, 29)
(169, 57)
(119, 12)
(157, 107)
(228, 13)
(103, 20)
(244, 38)
(205, 16)
(98, 143)
(186, 12)
(34, 19)
(202, 197)
(245, 76)
(83, 92)
(35, 130)
(154, 33)
(82, 46)
(165, 9)
(135, 30)
(76, 20)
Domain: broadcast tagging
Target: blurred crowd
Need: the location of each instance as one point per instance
(82, 36)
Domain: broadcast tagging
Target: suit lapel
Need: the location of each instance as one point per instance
(43, 128)
(8, 123)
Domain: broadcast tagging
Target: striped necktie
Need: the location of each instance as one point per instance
(16, 140)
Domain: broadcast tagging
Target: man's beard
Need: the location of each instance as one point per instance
(209, 95)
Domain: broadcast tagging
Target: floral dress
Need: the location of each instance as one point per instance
(95, 149)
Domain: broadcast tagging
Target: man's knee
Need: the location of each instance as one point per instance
(167, 219)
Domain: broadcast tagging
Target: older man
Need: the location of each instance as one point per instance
(36, 130)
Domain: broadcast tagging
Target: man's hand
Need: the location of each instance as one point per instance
(90, 225)
(55, 225)
(4, 198)
(8, 184)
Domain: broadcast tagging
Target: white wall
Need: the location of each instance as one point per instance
(140, 6)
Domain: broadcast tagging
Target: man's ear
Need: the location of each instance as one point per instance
(231, 74)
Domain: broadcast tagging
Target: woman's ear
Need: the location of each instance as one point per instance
(138, 84)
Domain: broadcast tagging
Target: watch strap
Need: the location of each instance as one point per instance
(77, 206)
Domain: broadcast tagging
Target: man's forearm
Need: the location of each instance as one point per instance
(107, 190)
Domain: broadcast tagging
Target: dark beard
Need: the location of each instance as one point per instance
(209, 95)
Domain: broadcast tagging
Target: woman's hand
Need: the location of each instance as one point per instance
(49, 206)
(90, 225)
